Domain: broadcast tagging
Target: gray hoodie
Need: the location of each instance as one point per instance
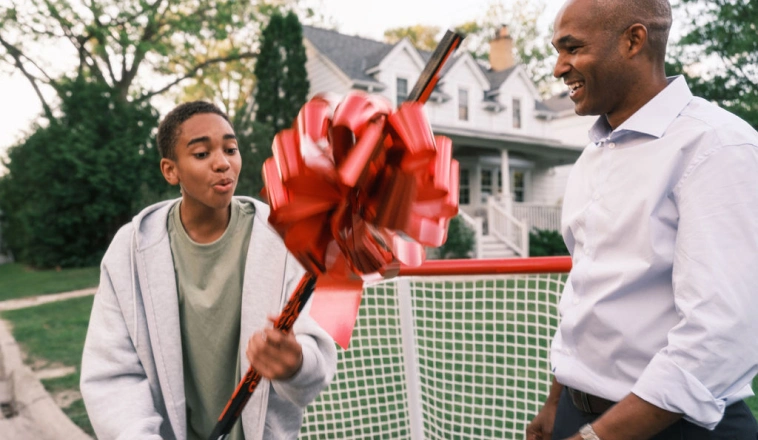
(132, 379)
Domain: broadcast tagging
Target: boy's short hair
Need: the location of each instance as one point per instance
(168, 130)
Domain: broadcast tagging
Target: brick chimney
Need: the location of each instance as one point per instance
(501, 50)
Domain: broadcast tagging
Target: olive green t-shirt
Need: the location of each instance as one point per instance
(209, 281)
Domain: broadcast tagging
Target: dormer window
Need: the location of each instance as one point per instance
(462, 104)
(402, 91)
(516, 110)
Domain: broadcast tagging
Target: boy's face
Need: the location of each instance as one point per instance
(207, 162)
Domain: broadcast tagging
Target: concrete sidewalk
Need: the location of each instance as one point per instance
(28, 411)
(31, 301)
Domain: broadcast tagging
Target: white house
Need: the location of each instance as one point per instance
(494, 116)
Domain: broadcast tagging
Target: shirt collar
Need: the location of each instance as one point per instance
(654, 117)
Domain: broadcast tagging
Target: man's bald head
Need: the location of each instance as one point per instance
(617, 15)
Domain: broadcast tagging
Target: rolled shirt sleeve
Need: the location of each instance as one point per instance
(712, 353)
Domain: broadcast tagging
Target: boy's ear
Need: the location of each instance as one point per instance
(168, 169)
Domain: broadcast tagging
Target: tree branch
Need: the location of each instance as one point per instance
(17, 54)
(96, 12)
(193, 72)
(78, 42)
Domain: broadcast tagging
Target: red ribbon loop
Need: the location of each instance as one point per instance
(358, 189)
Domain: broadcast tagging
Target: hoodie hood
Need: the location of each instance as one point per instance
(150, 224)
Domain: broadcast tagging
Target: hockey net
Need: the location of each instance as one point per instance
(453, 349)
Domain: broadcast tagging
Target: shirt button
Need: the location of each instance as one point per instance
(596, 196)
(612, 145)
(575, 301)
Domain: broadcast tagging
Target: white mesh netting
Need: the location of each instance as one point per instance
(480, 366)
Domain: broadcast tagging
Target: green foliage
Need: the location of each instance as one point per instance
(422, 37)
(460, 240)
(280, 69)
(546, 243)
(254, 140)
(719, 54)
(73, 183)
(19, 281)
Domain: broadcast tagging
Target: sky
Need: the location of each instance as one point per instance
(353, 17)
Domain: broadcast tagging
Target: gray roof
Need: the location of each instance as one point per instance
(497, 78)
(560, 102)
(353, 55)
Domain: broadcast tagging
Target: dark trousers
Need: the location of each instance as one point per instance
(738, 424)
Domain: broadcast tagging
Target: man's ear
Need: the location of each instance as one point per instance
(168, 169)
(635, 39)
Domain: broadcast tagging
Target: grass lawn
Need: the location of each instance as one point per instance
(53, 335)
(753, 401)
(19, 281)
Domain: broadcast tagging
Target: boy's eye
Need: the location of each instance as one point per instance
(232, 150)
(201, 155)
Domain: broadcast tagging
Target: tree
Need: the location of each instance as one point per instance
(719, 54)
(112, 41)
(281, 90)
(280, 70)
(422, 37)
(254, 140)
(73, 183)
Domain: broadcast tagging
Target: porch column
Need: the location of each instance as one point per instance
(505, 169)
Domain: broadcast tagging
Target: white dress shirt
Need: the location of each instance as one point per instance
(661, 219)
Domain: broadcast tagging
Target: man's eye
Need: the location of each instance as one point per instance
(572, 49)
(202, 155)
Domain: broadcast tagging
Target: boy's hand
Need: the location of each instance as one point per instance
(274, 354)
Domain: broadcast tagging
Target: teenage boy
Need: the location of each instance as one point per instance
(182, 289)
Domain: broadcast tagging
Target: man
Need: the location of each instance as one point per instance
(660, 311)
(182, 288)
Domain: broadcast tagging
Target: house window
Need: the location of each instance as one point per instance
(517, 186)
(402, 90)
(516, 113)
(486, 186)
(464, 189)
(463, 104)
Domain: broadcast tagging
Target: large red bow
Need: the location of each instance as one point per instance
(356, 188)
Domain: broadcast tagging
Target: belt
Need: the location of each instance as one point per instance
(589, 403)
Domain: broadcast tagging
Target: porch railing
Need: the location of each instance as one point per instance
(507, 228)
(538, 216)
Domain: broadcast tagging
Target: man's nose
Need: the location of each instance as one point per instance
(561, 67)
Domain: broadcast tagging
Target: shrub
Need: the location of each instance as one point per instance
(545, 243)
(460, 240)
(73, 183)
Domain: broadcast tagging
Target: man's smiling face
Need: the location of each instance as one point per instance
(589, 59)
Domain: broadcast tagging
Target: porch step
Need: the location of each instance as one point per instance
(494, 248)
